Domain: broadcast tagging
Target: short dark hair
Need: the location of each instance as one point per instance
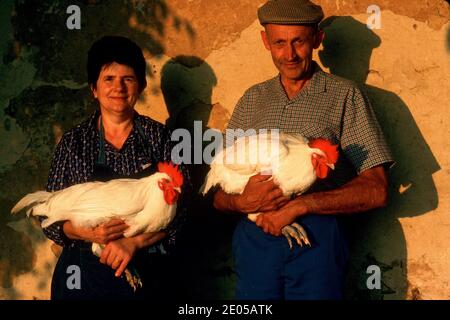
(117, 49)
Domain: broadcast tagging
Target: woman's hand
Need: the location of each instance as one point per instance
(104, 233)
(118, 253)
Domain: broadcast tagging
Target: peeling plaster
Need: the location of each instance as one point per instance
(403, 65)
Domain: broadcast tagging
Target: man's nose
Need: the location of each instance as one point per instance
(291, 53)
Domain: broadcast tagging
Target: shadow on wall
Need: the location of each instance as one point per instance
(56, 98)
(448, 39)
(62, 52)
(187, 83)
(347, 48)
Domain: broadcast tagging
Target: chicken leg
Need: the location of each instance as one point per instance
(292, 231)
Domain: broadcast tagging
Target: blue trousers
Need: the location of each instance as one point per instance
(268, 270)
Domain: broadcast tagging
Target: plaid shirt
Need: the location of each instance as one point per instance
(328, 107)
(77, 152)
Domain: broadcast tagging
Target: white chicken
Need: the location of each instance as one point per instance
(294, 163)
(146, 205)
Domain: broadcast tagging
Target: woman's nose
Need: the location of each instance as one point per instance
(119, 85)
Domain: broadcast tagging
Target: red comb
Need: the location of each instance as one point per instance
(172, 171)
(329, 149)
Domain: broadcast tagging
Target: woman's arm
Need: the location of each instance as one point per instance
(57, 180)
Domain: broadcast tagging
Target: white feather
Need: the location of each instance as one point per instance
(30, 200)
(139, 202)
(288, 159)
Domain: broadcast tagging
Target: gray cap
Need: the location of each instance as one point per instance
(290, 12)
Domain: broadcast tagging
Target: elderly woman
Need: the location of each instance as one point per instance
(115, 142)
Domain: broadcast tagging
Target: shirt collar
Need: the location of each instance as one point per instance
(317, 84)
(92, 121)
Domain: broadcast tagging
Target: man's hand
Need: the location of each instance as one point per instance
(118, 253)
(260, 194)
(273, 221)
(367, 191)
(112, 230)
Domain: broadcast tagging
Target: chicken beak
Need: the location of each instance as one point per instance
(178, 189)
(331, 166)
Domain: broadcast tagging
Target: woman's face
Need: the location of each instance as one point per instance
(117, 89)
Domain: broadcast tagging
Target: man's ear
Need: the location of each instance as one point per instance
(318, 38)
(265, 39)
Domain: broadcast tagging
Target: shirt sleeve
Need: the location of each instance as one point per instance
(362, 140)
(57, 180)
(239, 117)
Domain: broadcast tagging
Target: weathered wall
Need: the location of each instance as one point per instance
(204, 54)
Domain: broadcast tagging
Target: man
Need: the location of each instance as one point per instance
(305, 100)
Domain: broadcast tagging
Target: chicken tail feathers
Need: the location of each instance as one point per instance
(31, 200)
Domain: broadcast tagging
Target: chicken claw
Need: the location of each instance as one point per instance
(297, 232)
(133, 279)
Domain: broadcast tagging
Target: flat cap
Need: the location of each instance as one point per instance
(290, 12)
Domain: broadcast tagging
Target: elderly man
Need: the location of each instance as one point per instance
(306, 100)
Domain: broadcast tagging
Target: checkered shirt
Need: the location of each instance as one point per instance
(328, 107)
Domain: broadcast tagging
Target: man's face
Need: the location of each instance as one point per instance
(291, 47)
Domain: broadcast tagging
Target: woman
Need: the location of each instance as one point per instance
(115, 142)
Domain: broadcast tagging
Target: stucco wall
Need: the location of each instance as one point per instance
(204, 54)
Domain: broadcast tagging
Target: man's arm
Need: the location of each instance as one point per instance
(367, 191)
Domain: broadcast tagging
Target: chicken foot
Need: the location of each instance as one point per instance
(293, 231)
(297, 232)
(132, 276)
